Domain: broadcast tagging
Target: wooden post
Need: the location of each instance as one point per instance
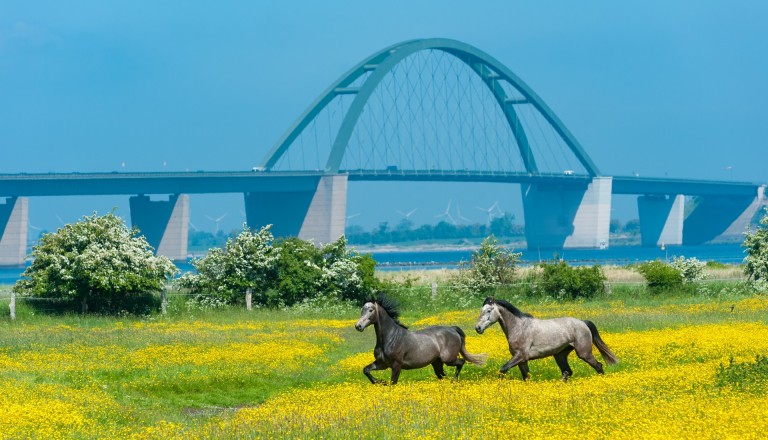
(248, 299)
(13, 305)
(164, 300)
(434, 290)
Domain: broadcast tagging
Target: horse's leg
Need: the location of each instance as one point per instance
(562, 362)
(523, 366)
(438, 367)
(458, 363)
(373, 366)
(396, 367)
(516, 359)
(585, 354)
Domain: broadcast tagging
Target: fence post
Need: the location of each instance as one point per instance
(164, 300)
(13, 305)
(248, 299)
(434, 290)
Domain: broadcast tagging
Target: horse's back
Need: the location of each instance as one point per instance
(549, 336)
(442, 334)
(429, 344)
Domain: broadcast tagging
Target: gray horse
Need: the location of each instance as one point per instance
(530, 338)
(398, 348)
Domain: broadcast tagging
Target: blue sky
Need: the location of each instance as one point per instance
(654, 87)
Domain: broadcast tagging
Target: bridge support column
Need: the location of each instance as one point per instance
(661, 219)
(14, 217)
(165, 224)
(559, 216)
(716, 219)
(318, 215)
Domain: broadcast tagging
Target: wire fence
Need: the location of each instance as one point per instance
(12, 298)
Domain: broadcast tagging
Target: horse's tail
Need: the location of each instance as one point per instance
(606, 352)
(477, 359)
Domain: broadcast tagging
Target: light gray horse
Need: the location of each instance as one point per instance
(530, 338)
(398, 348)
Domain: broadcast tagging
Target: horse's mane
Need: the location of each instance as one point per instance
(389, 305)
(512, 309)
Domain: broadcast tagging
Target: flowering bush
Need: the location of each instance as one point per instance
(756, 261)
(489, 268)
(98, 261)
(286, 273)
(332, 271)
(247, 262)
(691, 269)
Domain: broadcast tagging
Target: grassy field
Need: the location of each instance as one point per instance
(688, 369)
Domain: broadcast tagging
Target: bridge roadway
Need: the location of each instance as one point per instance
(561, 210)
(214, 182)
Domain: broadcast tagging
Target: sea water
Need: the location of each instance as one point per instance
(434, 259)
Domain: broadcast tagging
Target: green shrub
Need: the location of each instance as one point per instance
(691, 269)
(249, 261)
(489, 268)
(660, 276)
(562, 281)
(756, 261)
(96, 264)
(288, 272)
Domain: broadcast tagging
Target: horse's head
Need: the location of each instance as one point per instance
(367, 316)
(489, 315)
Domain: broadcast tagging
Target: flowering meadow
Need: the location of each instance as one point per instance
(281, 374)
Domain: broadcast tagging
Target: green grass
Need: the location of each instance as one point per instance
(190, 394)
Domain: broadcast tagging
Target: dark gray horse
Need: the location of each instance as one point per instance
(398, 348)
(531, 338)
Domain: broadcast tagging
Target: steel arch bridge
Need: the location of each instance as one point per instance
(430, 106)
(420, 110)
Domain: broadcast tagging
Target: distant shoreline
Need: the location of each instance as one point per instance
(383, 249)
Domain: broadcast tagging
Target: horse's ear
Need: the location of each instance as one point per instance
(489, 300)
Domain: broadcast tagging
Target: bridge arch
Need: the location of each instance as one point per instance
(379, 64)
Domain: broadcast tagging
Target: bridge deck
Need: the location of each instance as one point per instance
(212, 182)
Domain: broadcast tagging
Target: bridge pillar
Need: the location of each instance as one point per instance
(318, 215)
(559, 216)
(721, 219)
(165, 223)
(14, 217)
(661, 219)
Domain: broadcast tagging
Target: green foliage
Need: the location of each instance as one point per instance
(745, 376)
(98, 262)
(562, 281)
(660, 276)
(248, 261)
(756, 245)
(489, 267)
(691, 269)
(282, 274)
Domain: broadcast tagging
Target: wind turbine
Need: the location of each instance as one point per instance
(406, 215)
(492, 211)
(216, 221)
(447, 214)
(461, 217)
(29, 232)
